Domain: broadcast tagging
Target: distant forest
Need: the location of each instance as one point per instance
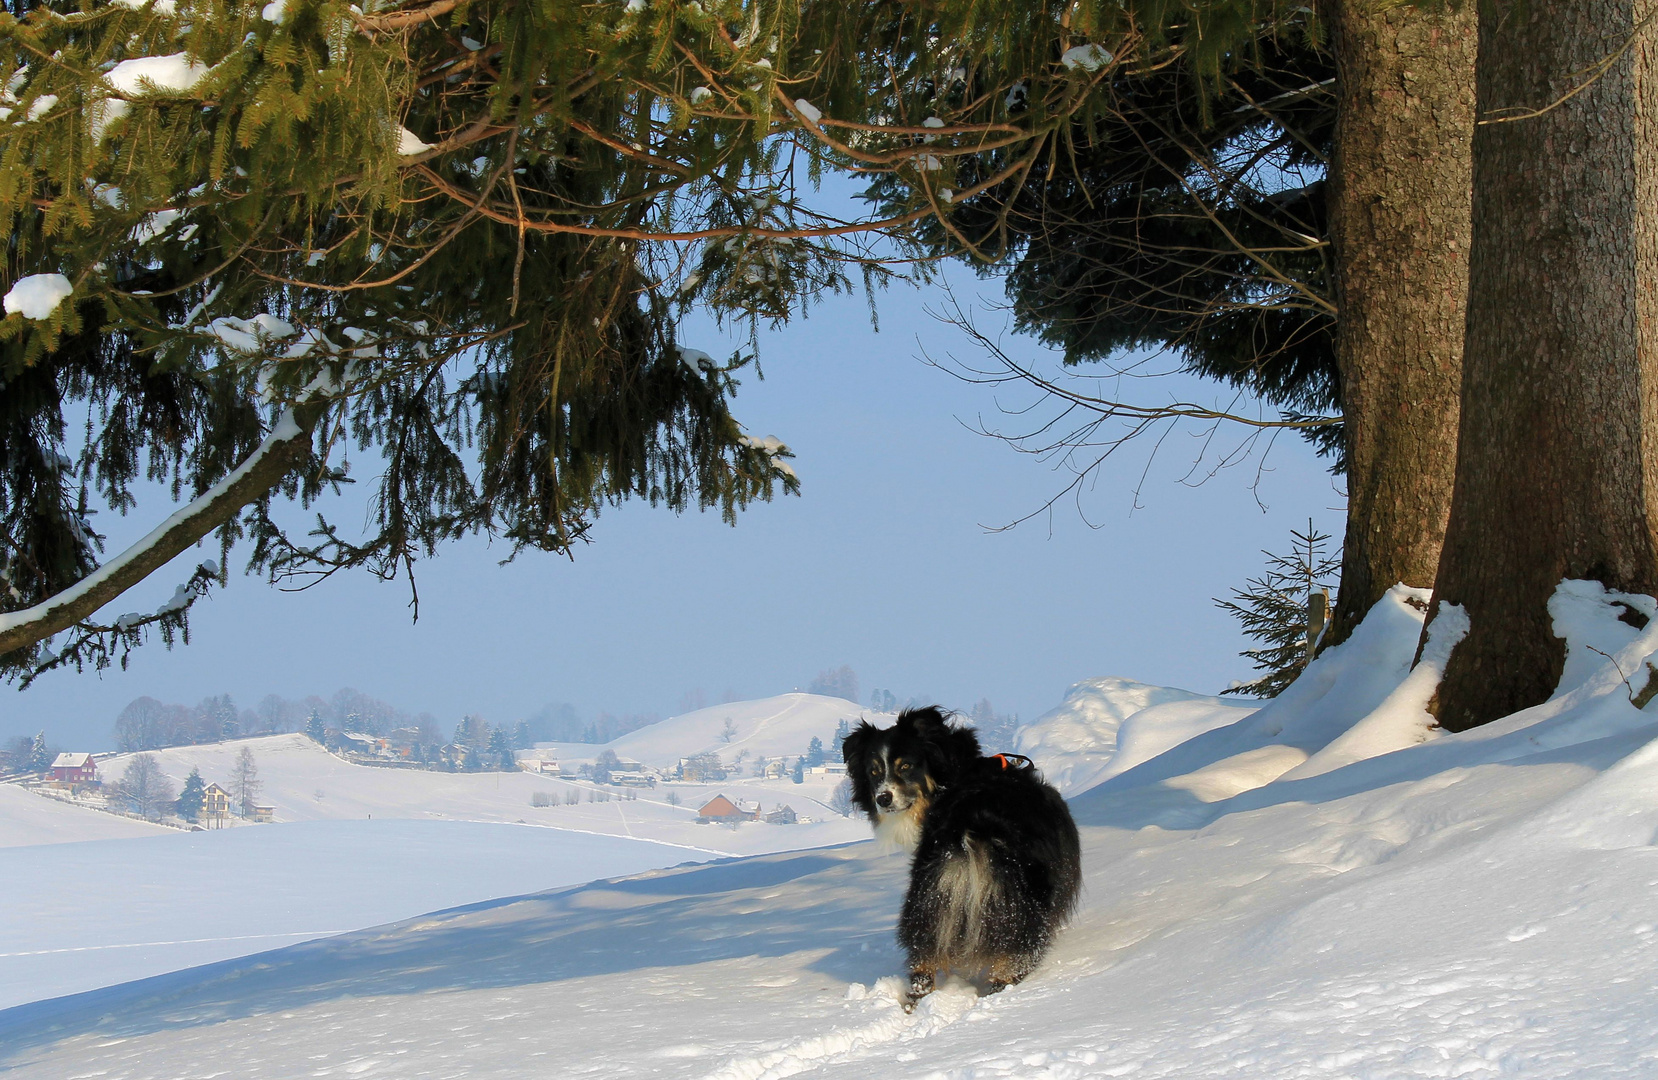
(149, 724)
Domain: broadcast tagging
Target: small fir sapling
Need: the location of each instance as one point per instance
(1280, 607)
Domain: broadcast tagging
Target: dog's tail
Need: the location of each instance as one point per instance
(968, 889)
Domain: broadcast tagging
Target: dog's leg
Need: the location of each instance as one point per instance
(921, 984)
(1005, 971)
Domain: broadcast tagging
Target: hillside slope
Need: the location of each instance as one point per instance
(771, 727)
(1331, 889)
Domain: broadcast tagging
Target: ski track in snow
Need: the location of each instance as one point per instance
(1472, 905)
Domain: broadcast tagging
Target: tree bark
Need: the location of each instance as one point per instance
(1556, 464)
(1399, 192)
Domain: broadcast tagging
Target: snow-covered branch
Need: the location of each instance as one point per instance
(287, 443)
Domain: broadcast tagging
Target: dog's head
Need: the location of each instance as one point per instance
(895, 771)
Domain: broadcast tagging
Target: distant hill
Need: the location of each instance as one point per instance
(779, 726)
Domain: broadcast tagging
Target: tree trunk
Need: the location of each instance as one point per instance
(1555, 471)
(1399, 197)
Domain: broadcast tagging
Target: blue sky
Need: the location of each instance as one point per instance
(884, 563)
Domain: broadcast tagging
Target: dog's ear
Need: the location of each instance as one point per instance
(930, 723)
(855, 746)
(855, 751)
(954, 747)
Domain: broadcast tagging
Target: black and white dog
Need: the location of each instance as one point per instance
(997, 863)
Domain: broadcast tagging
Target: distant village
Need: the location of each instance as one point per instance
(142, 791)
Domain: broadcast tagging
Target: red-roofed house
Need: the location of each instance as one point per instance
(720, 808)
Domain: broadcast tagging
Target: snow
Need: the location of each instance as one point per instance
(698, 361)
(27, 819)
(769, 727)
(250, 335)
(183, 899)
(1474, 904)
(154, 225)
(275, 12)
(40, 107)
(1085, 57)
(808, 110)
(176, 73)
(37, 295)
(408, 143)
(167, 8)
(1084, 741)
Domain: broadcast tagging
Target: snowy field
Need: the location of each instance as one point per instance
(80, 916)
(93, 899)
(1327, 887)
(27, 818)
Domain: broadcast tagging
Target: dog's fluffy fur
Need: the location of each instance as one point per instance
(997, 865)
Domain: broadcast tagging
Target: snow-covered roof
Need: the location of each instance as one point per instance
(71, 761)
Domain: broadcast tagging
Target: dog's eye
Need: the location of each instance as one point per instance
(904, 767)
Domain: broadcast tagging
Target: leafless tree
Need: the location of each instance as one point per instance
(245, 783)
(146, 788)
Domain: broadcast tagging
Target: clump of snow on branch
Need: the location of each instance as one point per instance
(808, 110)
(176, 73)
(167, 8)
(37, 296)
(772, 447)
(1085, 58)
(697, 360)
(408, 143)
(250, 335)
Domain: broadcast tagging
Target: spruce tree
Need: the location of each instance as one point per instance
(40, 757)
(189, 802)
(245, 237)
(314, 727)
(1275, 610)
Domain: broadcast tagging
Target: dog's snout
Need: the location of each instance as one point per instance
(884, 800)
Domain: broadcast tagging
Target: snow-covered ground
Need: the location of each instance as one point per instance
(92, 899)
(1325, 887)
(27, 818)
(80, 916)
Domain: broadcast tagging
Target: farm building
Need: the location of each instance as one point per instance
(74, 769)
(722, 809)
